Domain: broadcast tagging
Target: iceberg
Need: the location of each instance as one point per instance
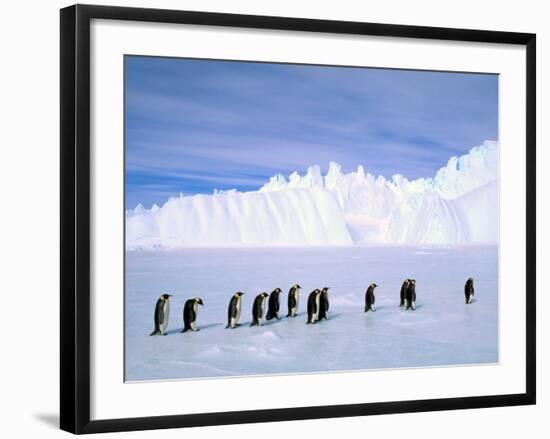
(295, 217)
(458, 205)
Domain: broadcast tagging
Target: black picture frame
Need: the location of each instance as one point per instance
(75, 217)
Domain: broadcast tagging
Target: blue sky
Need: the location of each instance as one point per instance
(196, 125)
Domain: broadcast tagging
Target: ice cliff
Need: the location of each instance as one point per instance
(458, 205)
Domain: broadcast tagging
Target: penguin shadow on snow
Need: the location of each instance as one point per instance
(202, 327)
(327, 321)
(416, 308)
(173, 331)
(179, 330)
(210, 325)
(286, 317)
(378, 308)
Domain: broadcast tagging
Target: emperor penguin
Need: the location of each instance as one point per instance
(403, 293)
(323, 304)
(313, 306)
(234, 310)
(469, 290)
(369, 298)
(273, 305)
(190, 314)
(162, 311)
(293, 299)
(258, 309)
(410, 296)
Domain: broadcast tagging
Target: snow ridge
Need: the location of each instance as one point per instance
(299, 217)
(458, 205)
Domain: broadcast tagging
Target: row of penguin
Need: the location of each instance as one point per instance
(317, 305)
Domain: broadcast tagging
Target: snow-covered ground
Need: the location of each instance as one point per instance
(442, 331)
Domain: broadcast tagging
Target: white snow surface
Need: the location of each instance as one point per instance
(458, 205)
(443, 331)
(298, 217)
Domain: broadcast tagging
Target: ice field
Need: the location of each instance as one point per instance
(442, 331)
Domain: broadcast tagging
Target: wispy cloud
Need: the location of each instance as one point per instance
(193, 126)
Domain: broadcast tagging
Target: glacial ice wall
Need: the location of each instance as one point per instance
(297, 217)
(458, 205)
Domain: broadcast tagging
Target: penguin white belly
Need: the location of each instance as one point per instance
(262, 311)
(164, 324)
(295, 307)
(316, 313)
(238, 316)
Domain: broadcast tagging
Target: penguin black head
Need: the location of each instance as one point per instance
(239, 294)
(264, 294)
(199, 301)
(297, 286)
(412, 281)
(165, 296)
(277, 290)
(471, 279)
(373, 285)
(317, 291)
(325, 290)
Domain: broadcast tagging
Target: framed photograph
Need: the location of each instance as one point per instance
(304, 218)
